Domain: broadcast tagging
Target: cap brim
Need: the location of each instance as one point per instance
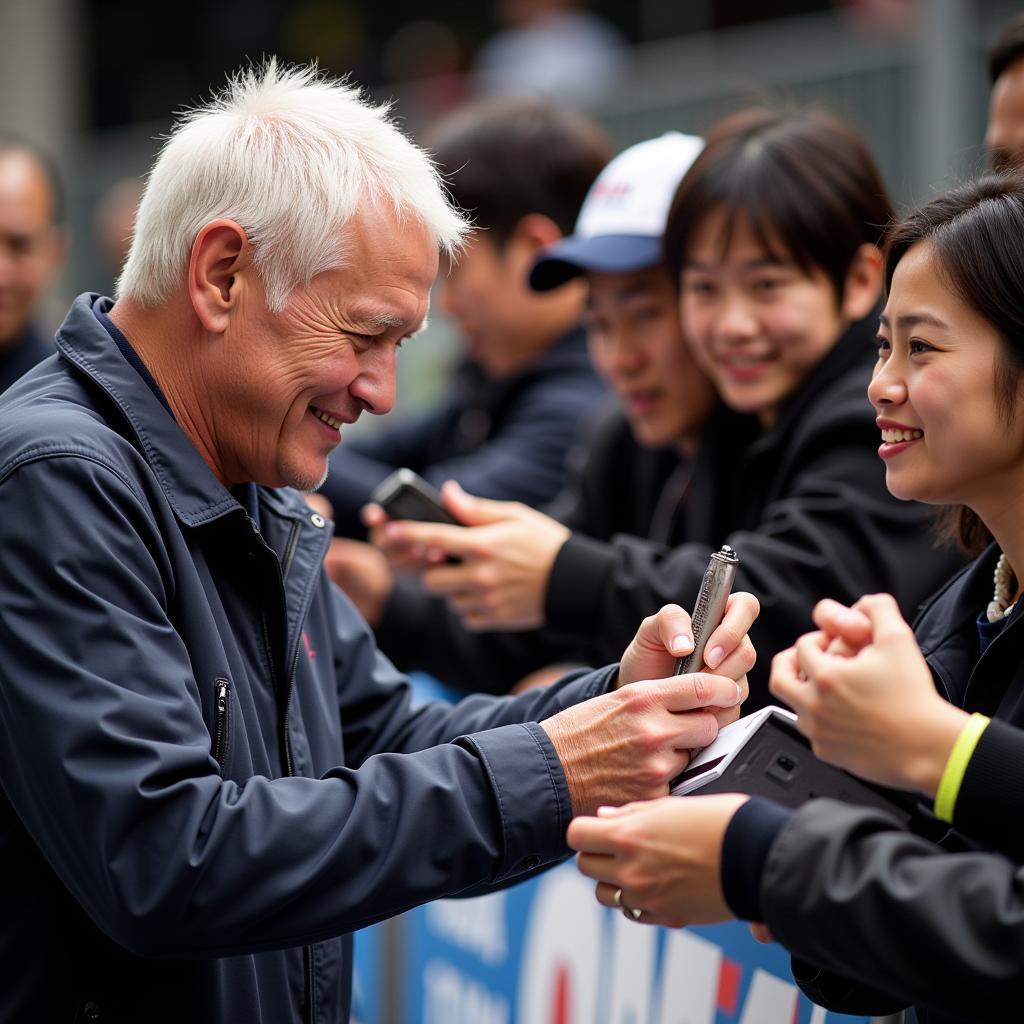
(576, 255)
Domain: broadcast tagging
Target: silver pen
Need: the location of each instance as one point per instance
(710, 608)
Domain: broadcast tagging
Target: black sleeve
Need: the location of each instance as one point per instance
(418, 632)
(832, 531)
(867, 907)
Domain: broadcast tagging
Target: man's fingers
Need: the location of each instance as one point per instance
(669, 629)
(474, 511)
(697, 690)
(448, 580)
(740, 612)
(373, 515)
(456, 540)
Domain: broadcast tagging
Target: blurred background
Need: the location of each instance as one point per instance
(96, 83)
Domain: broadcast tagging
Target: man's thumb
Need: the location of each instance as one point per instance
(471, 510)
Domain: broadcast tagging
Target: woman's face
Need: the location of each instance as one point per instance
(944, 437)
(757, 322)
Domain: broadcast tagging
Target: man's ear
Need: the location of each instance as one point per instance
(863, 284)
(536, 231)
(220, 255)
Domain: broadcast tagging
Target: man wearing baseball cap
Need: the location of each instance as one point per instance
(631, 471)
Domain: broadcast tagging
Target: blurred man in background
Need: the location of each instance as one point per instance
(1004, 139)
(520, 168)
(32, 247)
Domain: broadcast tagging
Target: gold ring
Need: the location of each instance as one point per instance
(633, 913)
(617, 898)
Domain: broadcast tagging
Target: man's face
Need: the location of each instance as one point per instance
(30, 245)
(637, 345)
(1004, 139)
(288, 381)
(487, 294)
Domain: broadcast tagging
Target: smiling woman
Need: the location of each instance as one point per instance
(878, 917)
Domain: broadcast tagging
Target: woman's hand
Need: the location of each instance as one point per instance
(871, 707)
(661, 857)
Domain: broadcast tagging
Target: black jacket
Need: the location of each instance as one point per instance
(845, 888)
(210, 775)
(504, 439)
(804, 505)
(881, 918)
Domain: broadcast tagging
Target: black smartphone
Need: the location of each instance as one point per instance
(406, 495)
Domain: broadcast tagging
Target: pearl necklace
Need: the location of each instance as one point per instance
(999, 607)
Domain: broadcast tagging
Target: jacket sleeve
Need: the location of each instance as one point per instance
(866, 907)
(418, 632)
(994, 782)
(833, 531)
(106, 758)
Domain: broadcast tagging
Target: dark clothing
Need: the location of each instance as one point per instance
(504, 439)
(846, 889)
(18, 358)
(968, 907)
(209, 773)
(804, 505)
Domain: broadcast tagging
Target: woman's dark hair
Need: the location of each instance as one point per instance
(977, 234)
(802, 179)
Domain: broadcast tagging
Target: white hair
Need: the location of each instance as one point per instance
(292, 157)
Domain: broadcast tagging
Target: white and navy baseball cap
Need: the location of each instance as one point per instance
(622, 219)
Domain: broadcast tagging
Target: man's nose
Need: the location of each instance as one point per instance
(376, 383)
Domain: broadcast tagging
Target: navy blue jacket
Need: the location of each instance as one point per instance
(209, 773)
(504, 439)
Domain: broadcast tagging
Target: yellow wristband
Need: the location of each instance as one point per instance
(956, 767)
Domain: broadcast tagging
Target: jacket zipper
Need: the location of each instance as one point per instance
(307, 951)
(222, 693)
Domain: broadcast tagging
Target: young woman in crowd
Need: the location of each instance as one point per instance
(841, 887)
(772, 238)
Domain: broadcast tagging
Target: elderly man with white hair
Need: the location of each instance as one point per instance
(209, 775)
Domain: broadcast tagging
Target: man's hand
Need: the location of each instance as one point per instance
(668, 635)
(628, 744)
(505, 553)
(363, 573)
(662, 857)
(874, 712)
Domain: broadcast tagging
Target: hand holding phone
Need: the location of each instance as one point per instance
(406, 495)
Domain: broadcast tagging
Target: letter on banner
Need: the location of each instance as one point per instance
(559, 974)
(770, 1000)
(633, 953)
(691, 967)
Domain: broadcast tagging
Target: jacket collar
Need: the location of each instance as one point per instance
(188, 483)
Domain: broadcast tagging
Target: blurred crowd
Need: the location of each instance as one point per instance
(694, 342)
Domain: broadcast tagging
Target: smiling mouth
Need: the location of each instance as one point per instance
(896, 436)
(327, 418)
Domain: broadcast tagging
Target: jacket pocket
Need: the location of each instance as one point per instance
(221, 720)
